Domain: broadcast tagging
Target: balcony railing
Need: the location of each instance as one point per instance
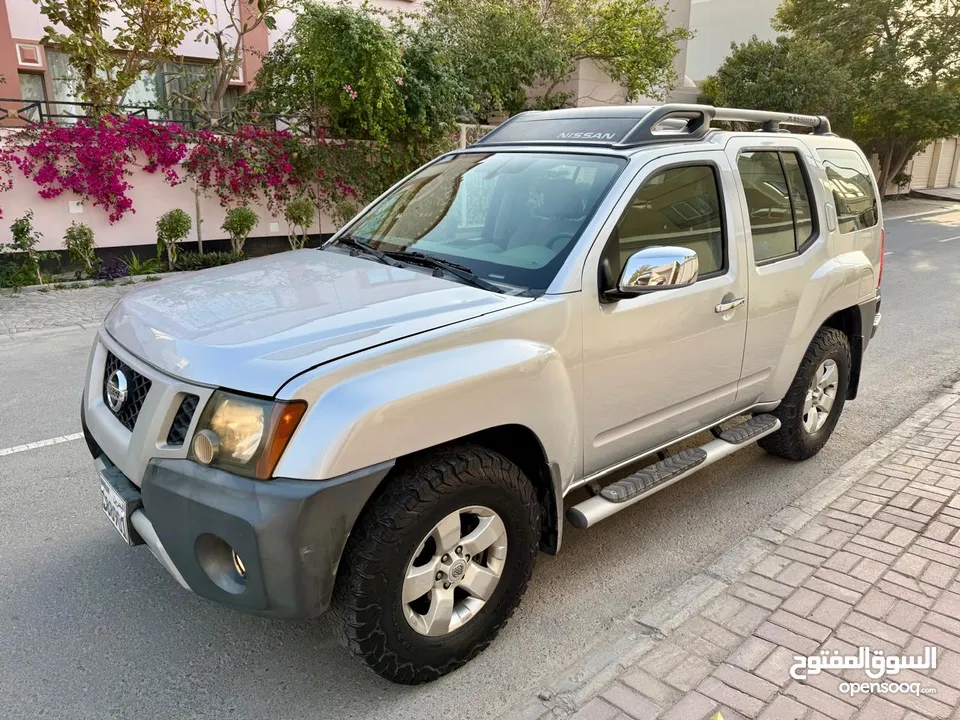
(18, 112)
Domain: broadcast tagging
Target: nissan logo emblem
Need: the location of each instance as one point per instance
(116, 390)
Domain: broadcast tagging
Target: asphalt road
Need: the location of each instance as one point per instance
(92, 629)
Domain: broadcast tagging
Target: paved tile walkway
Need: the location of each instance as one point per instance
(905, 207)
(876, 567)
(32, 310)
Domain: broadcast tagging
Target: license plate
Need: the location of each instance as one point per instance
(115, 508)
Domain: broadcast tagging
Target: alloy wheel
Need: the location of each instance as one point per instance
(454, 571)
(820, 396)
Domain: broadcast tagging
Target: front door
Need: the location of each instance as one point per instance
(665, 363)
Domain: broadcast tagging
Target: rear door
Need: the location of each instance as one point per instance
(787, 241)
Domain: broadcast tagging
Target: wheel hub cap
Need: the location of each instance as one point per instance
(821, 396)
(454, 571)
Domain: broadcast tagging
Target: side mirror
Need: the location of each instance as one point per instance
(657, 268)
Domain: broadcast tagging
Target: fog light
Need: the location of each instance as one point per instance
(205, 446)
(238, 564)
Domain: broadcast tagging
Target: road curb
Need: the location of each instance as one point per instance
(42, 332)
(645, 628)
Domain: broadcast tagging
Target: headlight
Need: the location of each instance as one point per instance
(245, 435)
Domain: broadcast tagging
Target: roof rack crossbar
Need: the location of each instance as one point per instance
(770, 121)
(673, 122)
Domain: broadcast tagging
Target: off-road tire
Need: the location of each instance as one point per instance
(792, 441)
(367, 611)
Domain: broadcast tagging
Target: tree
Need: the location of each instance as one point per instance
(499, 48)
(629, 39)
(509, 50)
(790, 75)
(339, 67)
(172, 229)
(904, 61)
(110, 56)
(238, 223)
(242, 17)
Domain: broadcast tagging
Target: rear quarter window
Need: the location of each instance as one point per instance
(850, 182)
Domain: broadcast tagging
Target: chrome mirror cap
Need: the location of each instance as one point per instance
(658, 268)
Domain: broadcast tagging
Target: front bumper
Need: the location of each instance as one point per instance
(290, 534)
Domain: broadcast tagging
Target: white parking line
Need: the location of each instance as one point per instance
(40, 444)
(949, 239)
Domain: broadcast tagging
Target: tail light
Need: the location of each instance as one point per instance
(883, 247)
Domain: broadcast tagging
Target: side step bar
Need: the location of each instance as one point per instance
(643, 483)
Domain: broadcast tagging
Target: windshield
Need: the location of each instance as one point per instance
(510, 218)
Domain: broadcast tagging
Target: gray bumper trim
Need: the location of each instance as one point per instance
(142, 525)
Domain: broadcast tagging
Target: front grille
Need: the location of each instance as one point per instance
(178, 431)
(137, 388)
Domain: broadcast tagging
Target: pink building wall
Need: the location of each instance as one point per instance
(151, 196)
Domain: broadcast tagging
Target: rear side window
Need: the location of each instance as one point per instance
(678, 206)
(848, 178)
(778, 198)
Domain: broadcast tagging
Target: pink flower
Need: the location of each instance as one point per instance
(399, 80)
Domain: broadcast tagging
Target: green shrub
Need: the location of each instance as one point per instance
(15, 274)
(25, 240)
(200, 261)
(299, 214)
(172, 229)
(237, 224)
(136, 266)
(81, 247)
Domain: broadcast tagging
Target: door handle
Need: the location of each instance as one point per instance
(732, 305)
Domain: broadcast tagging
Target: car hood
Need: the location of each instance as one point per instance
(254, 325)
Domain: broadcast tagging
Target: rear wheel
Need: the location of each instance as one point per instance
(812, 406)
(437, 564)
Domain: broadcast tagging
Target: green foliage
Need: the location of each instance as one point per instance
(299, 214)
(505, 49)
(904, 61)
(25, 239)
(81, 247)
(791, 75)
(238, 223)
(629, 39)
(433, 92)
(200, 261)
(172, 228)
(136, 266)
(111, 43)
(498, 48)
(340, 66)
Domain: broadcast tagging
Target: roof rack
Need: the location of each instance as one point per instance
(628, 126)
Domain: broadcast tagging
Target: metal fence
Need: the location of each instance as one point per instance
(17, 112)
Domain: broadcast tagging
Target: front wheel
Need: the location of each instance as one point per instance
(812, 406)
(437, 564)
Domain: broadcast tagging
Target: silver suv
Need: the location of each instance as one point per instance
(389, 426)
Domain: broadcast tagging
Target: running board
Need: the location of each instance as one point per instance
(643, 483)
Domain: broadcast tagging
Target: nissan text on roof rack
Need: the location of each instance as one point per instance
(388, 427)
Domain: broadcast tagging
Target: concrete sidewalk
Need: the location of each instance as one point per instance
(868, 558)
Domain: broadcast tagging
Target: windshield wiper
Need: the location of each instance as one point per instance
(459, 271)
(360, 247)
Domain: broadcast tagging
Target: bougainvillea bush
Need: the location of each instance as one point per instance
(95, 160)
